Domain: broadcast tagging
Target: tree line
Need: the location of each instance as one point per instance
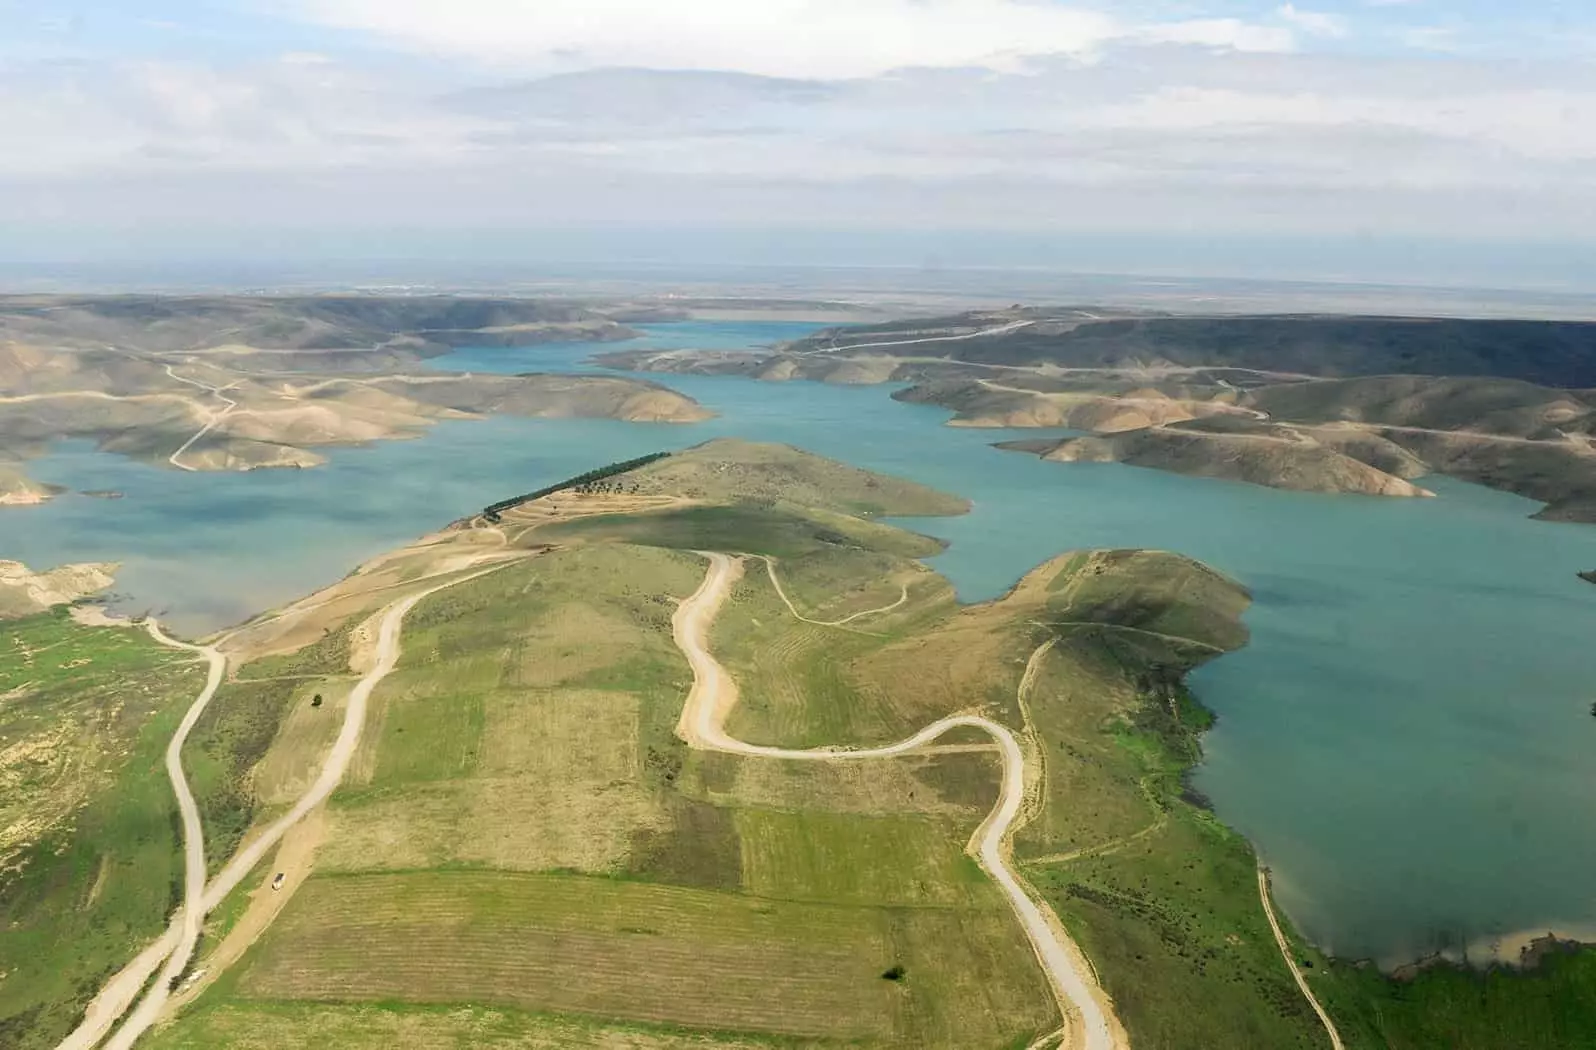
(493, 510)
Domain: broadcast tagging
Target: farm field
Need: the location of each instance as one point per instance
(525, 852)
(504, 750)
(521, 823)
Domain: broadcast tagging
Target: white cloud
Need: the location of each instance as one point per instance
(827, 39)
(1316, 23)
(1203, 131)
(1219, 33)
(1429, 38)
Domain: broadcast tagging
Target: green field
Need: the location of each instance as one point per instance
(523, 832)
(90, 866)
(733, 471)
(525, 855)
(778, 531)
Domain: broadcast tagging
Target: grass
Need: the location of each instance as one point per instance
(528, 726)
(255, 1025)
(227, 743)
(778, 531)
(1161, 896)
(665, 955)
(524, 855)
(658, 955)
(1545, 1008)
(831, 585)
(91, 869)
(728, 470)
(898, 860)
(523, 754)
(948, 785)
(798, 681)
(327, 655)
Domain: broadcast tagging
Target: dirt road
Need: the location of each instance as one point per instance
(1012, 326)
(775, 581)
(216, 417)
(178, 943)
(1291, 963)
(1090, 1021)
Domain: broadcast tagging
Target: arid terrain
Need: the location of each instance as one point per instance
(1319, 403)
(240, 383)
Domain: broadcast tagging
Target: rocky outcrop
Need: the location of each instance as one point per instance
(24, 592)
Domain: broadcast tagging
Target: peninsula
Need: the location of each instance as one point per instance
(1322, 403)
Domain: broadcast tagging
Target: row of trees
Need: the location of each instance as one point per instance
(494, 510)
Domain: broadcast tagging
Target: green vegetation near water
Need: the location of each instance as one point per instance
(525, 855)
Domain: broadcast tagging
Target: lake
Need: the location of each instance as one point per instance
(1407, 739)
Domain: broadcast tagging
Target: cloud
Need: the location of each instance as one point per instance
(1430, 38)
(1316, 23)
(81, 118)
(1142, 134)
(828, 39)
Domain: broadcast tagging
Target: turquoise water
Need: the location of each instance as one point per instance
(1407, 739)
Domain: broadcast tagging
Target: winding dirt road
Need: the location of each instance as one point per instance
(216, 417)
(775, 581)
(1090, 1021)
(177, 945)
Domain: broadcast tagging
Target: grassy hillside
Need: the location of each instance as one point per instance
(523, 817)
(524, 854)
(524, 834)
(89, 865)
(754, 472)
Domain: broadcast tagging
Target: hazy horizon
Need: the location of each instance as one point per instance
(1348, 140)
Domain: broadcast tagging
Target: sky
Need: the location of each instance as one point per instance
(1327, 138)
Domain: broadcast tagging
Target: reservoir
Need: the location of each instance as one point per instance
(1407, 739)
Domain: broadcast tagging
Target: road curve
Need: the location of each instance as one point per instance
(770, 570)
(216, 417)
(702, 726)
(178, 943)
(1291, 963)
(343, 749)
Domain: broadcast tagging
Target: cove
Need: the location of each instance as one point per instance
(1407, 739)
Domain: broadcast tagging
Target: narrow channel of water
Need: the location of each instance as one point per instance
(1407, 739)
